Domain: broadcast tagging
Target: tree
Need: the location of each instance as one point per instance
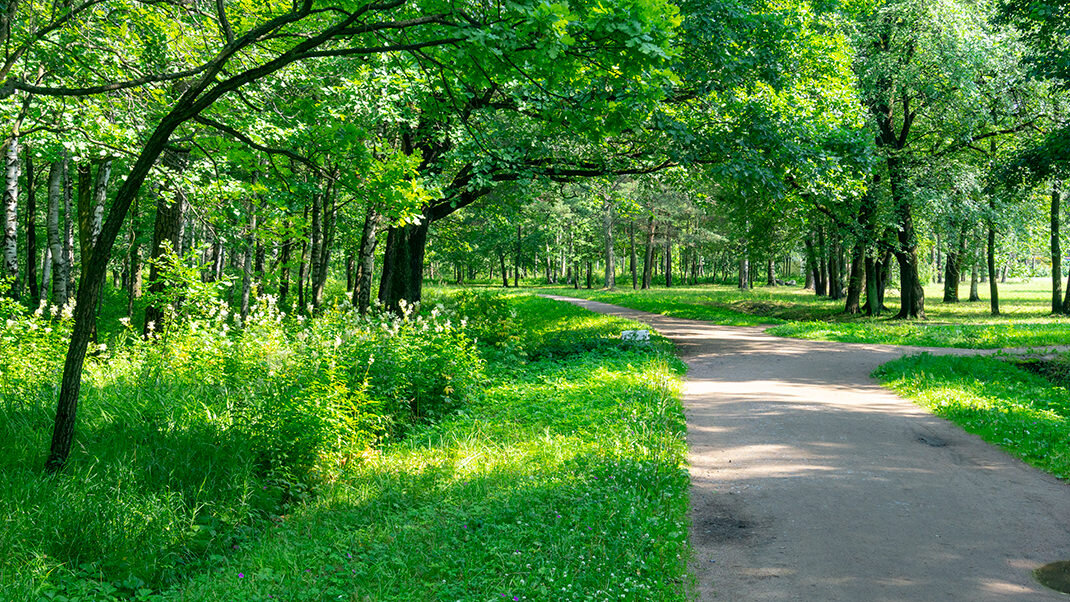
(212, 68)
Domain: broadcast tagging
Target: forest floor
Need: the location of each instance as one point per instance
(811, 482)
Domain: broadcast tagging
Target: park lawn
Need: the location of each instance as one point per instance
(1025, 414)
(566, 481)
(1025, 319)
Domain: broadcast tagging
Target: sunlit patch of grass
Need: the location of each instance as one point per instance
(1025, 414)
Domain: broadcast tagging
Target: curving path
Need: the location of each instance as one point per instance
(811, 482)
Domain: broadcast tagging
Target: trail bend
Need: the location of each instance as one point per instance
(811, 482)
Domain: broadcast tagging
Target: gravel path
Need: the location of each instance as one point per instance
(811, 482)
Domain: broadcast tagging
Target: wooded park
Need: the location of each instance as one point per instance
(275, 276)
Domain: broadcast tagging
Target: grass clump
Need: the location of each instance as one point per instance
(1023, 413)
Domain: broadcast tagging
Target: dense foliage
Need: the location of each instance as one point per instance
(222, 432)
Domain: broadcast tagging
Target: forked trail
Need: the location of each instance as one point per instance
(811, 482)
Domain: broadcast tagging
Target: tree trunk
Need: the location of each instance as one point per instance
(133, 263)
(810, 283)
(100, 197)
(247, 265)
(1066, 298)
(403, 264)
(993, 288)
(974, 295)
(31, 230)
(68, 229)
(11, 216)
(46, 274)
(835, 282)
(816, 267)
(516, 260)
(589, 278)
(912, 295)
(55, 238)
(938, 262)
(648, 258)
(953, 269)
(770, 271)
(92, 194)
(369, 237)
(856, 280)
(632, 259)
(1056, 252)
(668, 255)
(873, 300)
(743, 279)
(166, 233)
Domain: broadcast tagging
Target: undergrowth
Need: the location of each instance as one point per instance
(524, 452)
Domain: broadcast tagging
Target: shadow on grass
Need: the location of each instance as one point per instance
(141, 497)
(549, 525)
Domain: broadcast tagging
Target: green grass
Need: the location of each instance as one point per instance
(1025, 414)
(718, 304)
(1025, 319)
(563, 478)
(565, 482)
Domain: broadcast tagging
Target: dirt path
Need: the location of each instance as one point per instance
(811, 482)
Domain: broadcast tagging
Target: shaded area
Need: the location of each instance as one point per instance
(1055, 575)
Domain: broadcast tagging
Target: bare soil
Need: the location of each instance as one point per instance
(811, 482)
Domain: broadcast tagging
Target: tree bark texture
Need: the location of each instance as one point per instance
(369, 236)
(11, 216)
(55, 235)
(857, 279)
(403, 264)
(668, 256)
(31, 230)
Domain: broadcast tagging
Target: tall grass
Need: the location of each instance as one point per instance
(525, 452)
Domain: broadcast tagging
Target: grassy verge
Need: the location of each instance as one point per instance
(1025, 319)
(561, 477)
(1023, 413)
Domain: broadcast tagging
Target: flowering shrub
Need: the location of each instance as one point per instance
(32, 347)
